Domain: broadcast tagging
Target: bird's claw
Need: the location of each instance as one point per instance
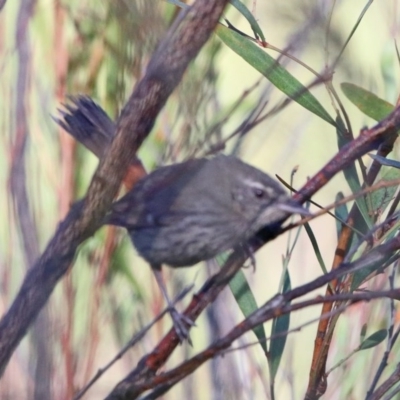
(182, 324)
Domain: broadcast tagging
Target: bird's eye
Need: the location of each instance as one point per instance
(259, 193)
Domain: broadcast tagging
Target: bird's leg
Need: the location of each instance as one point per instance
(181, 322)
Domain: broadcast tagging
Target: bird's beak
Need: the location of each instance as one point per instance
(294, 209)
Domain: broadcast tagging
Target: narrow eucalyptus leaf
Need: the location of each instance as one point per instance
(273, 71)
(367, 102)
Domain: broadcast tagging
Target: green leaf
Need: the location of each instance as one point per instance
(362, 274)
(381, 198)
(244, 297)
(315, 246)
(363, 332)
(341, 212)
(273, 71)
(247, 304)
(367, 102)
(258, 33)
(351, 175)
(374, 339)
(279, 330)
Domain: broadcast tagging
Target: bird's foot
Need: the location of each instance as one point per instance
(182, 324)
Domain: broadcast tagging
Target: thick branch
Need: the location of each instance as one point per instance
(181, 45)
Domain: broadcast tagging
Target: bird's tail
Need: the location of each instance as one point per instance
(87, 122)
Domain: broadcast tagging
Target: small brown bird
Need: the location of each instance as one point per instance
(188, 212)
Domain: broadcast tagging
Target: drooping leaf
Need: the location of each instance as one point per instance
(280, 326)
(374, 339)
(351, 175)
(245, 299)
(247, 303)
(273, 71)
(341, 212)
(315, 246)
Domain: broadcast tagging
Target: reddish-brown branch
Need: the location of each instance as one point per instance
(316, 385)
(143, 377)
